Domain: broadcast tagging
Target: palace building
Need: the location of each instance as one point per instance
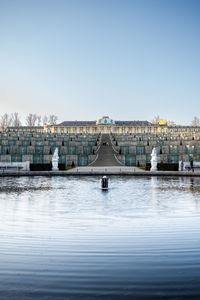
(107, 125)
(78, 142)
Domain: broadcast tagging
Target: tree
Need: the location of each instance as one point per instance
(52, 120)
(15, 119)
(196, 121)
(156, 119)
(171, 122)
(31, 120)
(39, 120)
(44, 120)
(5, 121)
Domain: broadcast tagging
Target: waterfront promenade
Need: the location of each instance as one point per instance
(98, 171)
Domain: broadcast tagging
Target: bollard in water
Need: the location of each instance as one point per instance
(104, 183)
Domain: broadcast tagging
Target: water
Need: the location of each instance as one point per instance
(64, 238)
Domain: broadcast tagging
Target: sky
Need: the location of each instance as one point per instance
(82, 59)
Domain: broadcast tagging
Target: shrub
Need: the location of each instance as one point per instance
(45, 167)
(163, 166)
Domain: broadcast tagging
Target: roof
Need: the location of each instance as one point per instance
(133, 123)
(93, 123)
(77, 123)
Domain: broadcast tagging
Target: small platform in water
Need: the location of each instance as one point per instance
(104, 183)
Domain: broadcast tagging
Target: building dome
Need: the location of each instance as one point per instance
(105, 120)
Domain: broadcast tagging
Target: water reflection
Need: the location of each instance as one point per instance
(191, 184)
(64, 238)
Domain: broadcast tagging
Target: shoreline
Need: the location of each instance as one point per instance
(109, 171)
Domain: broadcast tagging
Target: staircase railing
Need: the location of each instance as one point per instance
(117, 159)
(113, 146)
(97, 150)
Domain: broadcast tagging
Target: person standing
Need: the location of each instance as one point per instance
(192, 165)
(182, 164)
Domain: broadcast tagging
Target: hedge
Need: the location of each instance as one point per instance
(164, 166)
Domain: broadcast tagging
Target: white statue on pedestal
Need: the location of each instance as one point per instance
(154, 160)
(55, 160)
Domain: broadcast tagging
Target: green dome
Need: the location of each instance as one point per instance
(105, 121)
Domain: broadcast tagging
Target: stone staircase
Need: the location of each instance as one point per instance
(106, 154)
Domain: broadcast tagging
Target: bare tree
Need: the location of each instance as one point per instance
(52, 120)
(171, 122)
(31, 120)
(39, 120)
(196, 121)
(44, 120)
(156, 119)
(5, 121)
(15, 119)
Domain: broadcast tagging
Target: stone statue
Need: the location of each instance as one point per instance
(55, 160)
(154, 160)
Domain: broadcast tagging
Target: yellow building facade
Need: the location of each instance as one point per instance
(105, 125)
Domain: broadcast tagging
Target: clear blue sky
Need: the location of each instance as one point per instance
(81, 59)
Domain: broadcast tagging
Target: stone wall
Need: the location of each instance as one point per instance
(38, 148)
(136, 150)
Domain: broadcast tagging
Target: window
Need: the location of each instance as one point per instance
(140, 150)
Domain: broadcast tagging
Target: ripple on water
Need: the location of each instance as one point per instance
(65, 238)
